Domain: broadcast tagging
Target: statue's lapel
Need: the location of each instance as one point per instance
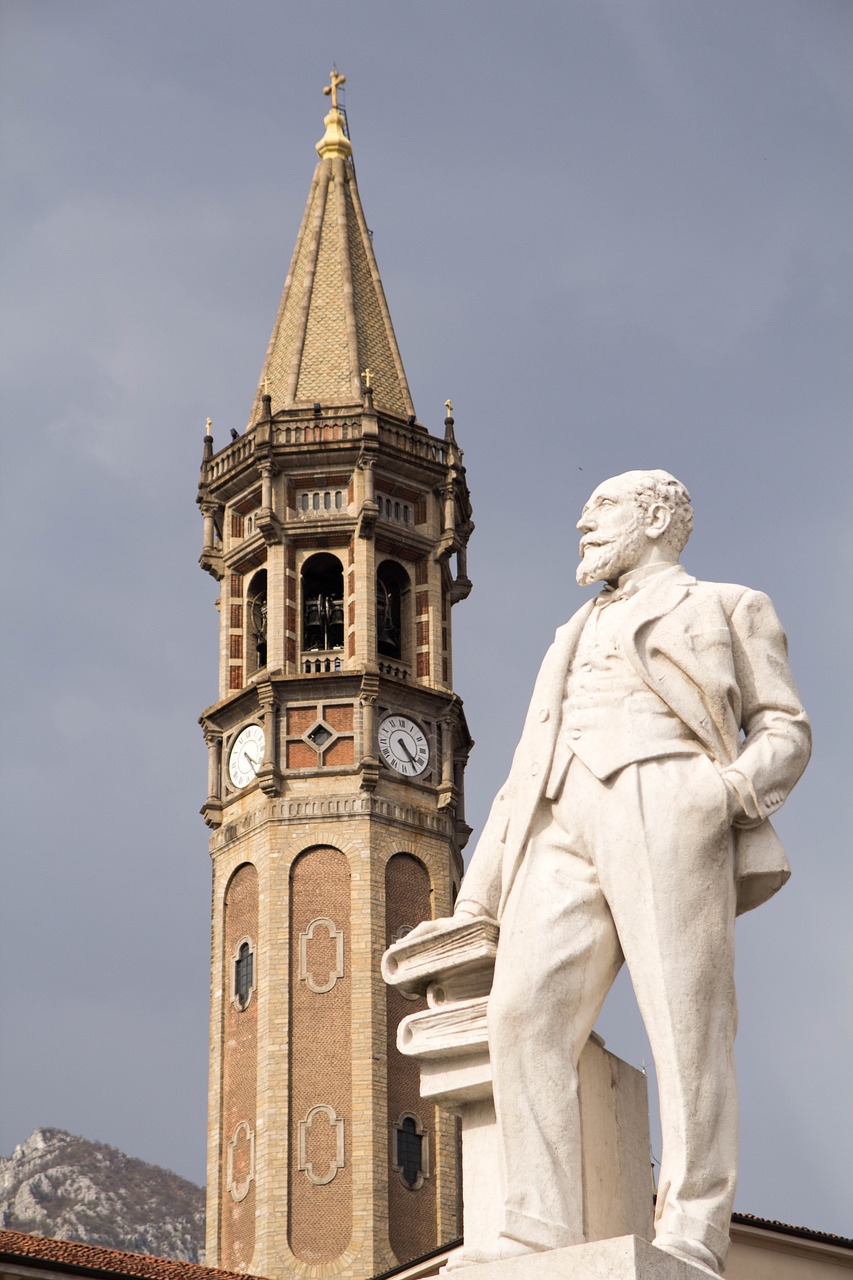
(659, 597)
(565, 643)
(657, 640)
(543, 718)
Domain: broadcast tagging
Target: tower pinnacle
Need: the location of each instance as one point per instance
(333, 320)
(334, 141)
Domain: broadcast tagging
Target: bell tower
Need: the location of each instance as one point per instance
(336, 527)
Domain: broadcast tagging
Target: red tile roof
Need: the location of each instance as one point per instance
(784, 1229)
(89, 1259)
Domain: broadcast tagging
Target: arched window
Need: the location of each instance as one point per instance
(392, 588)
(256, 623)
(244, 975)
(409, 1146)
(410, 1158)
(243, 978)
(322, 603)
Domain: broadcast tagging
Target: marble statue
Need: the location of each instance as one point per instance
(664, 730)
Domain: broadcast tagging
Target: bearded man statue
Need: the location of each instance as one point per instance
(664, 730)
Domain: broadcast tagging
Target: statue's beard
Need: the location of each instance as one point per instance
(607, 561)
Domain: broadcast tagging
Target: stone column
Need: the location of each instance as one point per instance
(269, 777)
(208, 510)
(447, 789)
(367, 465)
(212, 808)
(368, 764)
(211, 554)
(449, 496)
(266, 486)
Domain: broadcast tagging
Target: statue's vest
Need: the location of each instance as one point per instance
(610, 717)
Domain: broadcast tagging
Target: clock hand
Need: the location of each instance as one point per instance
(402, 742)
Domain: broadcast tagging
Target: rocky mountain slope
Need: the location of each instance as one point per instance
(58, 1185)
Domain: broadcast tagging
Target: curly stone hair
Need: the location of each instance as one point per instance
(661, 487)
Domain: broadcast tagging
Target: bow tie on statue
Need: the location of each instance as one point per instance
(612, 595)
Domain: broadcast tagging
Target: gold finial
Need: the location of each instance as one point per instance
(448, 404)
(207, 427)
(334, 142)
(366, 376)
(266, 386)
(333, 87)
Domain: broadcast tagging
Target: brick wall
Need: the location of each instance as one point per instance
(240, 1066)
(412, 1225)
(321, 1050)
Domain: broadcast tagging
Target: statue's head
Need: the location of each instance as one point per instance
(638, 518)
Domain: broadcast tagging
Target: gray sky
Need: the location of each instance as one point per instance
(617, 234)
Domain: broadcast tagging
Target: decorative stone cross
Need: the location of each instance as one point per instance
(366, 376)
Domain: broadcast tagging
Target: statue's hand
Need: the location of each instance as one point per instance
(424, 929)
(464, 911)
(469, 910)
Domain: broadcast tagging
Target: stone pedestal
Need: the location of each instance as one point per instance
(625, 1258)
(453, 966)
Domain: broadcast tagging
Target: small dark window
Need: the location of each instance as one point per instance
(257, 602)
(319, 735)
(244, 975)
(392, 583)
(388, 619)
(323, 603)
(410, 1145)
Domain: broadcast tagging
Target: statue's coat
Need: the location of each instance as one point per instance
(717, 655)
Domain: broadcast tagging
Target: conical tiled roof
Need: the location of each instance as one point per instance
(333, 322)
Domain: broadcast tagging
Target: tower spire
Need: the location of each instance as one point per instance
(333, 320)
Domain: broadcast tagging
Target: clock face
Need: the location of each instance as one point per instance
(247, 755)
(403, 746)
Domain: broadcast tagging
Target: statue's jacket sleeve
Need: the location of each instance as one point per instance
(717, 655)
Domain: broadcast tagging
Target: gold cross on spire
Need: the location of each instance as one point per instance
(448, 404)
(334, 144)
(366, 376)
(266, 386)
(333, 87)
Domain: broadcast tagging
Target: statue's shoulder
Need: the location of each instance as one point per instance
(730, 595)
(723, 590)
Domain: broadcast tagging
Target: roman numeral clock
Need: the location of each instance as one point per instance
(403, 746)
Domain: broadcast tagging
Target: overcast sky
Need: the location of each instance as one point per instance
(617, 234)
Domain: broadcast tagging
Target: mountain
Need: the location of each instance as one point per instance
(58, 1185)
